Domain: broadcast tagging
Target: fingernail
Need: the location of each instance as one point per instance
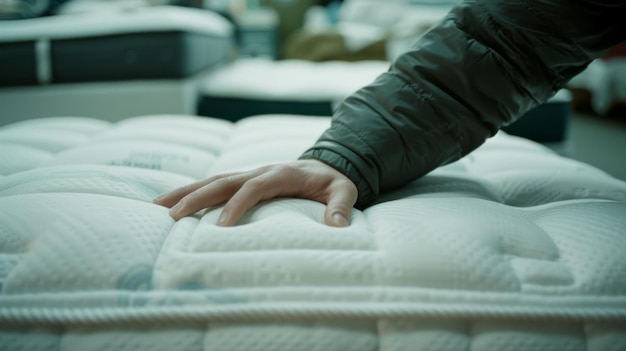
(158, 198)
(340, 220)
(223, 218)
(175, 210)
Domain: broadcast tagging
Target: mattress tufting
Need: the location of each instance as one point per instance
(510, 248)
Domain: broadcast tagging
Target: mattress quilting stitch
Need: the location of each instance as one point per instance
(474, 244)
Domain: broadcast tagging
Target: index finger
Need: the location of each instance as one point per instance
(252, 191)
(171, 198)
(212, 194)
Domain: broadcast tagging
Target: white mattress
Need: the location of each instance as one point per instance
(141, 43)
(291, 80)
(100, 23)
(510, 248)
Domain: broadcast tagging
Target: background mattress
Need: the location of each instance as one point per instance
(253, 86)
(161, 42)
(511, 248)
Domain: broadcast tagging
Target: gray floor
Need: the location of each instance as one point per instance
(600, 141)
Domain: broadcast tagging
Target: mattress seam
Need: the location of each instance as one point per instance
(298, 311)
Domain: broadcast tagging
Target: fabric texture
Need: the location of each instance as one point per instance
(510, 248)
(480, 68)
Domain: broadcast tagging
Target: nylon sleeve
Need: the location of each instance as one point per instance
(480, 68)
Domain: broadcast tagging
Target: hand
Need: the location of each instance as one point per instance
(306, 179)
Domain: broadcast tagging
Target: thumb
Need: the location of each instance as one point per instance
(337, 219)
(339, 206)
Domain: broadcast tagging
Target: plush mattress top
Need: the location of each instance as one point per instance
(291, 80)
(511, 248)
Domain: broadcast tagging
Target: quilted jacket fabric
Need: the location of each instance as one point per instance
(480, 68)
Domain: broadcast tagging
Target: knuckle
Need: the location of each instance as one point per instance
(255, 183)
(289, 168)
(225, 181)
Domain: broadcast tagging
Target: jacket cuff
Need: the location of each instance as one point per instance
(338, 157)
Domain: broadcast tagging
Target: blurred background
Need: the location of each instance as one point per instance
(113, 59)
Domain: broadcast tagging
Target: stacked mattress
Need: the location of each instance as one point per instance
(510, 248)
(110, 63)
(147, 42)
(252, 86)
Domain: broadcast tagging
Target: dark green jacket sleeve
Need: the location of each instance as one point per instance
(482, 67)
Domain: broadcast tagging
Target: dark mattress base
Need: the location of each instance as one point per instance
(154, 55)
(234, 109)
(546, 123)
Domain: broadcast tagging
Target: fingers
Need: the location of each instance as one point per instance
(253, 191)
(307, 179)
(212, 193)
(173, 197)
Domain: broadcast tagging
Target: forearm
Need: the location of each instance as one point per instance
(482, 67)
